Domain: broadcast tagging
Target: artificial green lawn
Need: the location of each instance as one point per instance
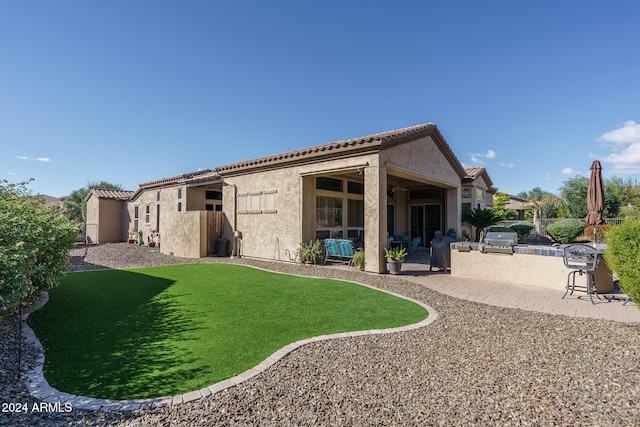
(159, 331)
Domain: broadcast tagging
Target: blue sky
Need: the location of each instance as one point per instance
(133, 91)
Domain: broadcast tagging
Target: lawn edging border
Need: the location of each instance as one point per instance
(39, 387)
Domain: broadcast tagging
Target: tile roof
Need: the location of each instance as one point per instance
(516, 198)
(370, 143)
(476, 172)
(103, 193)
(375, 142)
(172, 180)
(177, 178)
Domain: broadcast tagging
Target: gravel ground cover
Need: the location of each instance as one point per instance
(476, 365)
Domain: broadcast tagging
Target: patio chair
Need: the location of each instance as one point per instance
(332, 250)
(581, 259)
(413, 247)
(346, 250)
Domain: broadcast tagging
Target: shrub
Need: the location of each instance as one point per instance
(623, 256)
(565, 231)
(523, 229)
(34, 246)
(310, 252)
(600, 231)
(497, 228)
(358, 259)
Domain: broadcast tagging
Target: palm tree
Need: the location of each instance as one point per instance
(75, 208)
(480, 219)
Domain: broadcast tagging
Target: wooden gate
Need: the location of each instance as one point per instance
(214, 230)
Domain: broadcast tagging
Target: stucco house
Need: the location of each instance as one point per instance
(477, 192)
(518, 204)
(406, 181)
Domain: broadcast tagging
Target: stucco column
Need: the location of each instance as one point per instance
(307, 209)
(229, 210)
(375, 217)
(453, 210)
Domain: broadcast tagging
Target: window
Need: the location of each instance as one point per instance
(355, 187)
(479, 195)
(213, 195)
(158, 196)
(136, 217)
(147, 214)
(466, 193)
(426, 193)
(331, 184)
(179, 193)
(355, 217)
(179, 206)
(328, 217)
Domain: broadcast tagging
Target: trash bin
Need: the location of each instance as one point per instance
(222, 247)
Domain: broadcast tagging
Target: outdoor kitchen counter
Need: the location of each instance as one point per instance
(529, 265)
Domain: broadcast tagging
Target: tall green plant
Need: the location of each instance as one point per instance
(75, 208)
(500, 202)
(574, 192)
(34, 246)
(480, 219)
(623, 256)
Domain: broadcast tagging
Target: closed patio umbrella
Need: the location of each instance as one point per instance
(595, 198)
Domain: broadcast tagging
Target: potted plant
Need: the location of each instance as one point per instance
(452, 233)
(358, 259)
(395, 257)
(310, 252)
(132, 235)
(152, 238)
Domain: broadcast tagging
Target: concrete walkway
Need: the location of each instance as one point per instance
(519, 295)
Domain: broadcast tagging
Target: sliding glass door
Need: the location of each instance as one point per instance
(425, 221)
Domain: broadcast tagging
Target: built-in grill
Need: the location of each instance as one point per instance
(498, 242)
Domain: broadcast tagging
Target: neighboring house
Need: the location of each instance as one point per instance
(516, 203)
(477, 189)
(405, 181)
(477, 192)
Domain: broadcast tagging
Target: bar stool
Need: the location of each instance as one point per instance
(581, 259)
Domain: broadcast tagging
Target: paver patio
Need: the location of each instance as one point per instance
(518, 295)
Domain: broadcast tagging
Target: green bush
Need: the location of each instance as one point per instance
(523, 229)
(34, 246)
(311, 252)
(566, 231)
(498, 229)
(623, 256)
